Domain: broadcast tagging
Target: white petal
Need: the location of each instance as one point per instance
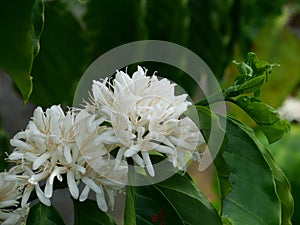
(20, 145)
(84, 194)
(80, 169)
(148, 163)
(101, 201)
(48, 189)
(92, 184)
(164, 149)
(16, 156)
(12, 219)
(119, 157)
(34, 179)
(131, 151)
(138, 160)
(111, 198)
(26, 196)
(56, 172)
(72, 184)
(41, 196)
(67, 154)
(40, 160)
(39, 118)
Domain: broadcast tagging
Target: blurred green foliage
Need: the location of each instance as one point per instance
(77, 32)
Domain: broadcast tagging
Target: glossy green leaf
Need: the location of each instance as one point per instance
(283, 189)
(173, 201)
(130, 214)
(21, 22)
(88, 212)
(62, 58)
(205, 119)
(265, 116)
(287, 155)
(282, 185)
(41, 214)
(254, 198)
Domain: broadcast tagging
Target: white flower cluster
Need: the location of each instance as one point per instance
(10, 210)
(145, 116)
(290, 109)
(128, 117)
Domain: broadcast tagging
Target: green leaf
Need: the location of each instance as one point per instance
(283, 189)
(253, 74)
(265, 116)
(205, 119)
(21, 22)
(173, 201)
(287, 155)
(62, 58)
(130, 215)
(88, 212)
(41, 214)
(254, 197)
(38, 24)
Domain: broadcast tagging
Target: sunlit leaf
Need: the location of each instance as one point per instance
(253, 74)
(265, 116)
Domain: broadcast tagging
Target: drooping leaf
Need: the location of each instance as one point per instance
(253, 74)
(62, 58)
(21, 23)
(254, 197)
(38, 24)
(88, 212)
(265, 116)
(41, 214)
(173, 201)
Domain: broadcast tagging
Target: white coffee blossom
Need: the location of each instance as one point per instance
(11, 212)
(50, 149)
(101, 175)
(145, 116)
(290, 109)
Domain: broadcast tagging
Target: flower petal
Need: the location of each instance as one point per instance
(72, 184)
(148, 163)
(41, 196)
(84, 194)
